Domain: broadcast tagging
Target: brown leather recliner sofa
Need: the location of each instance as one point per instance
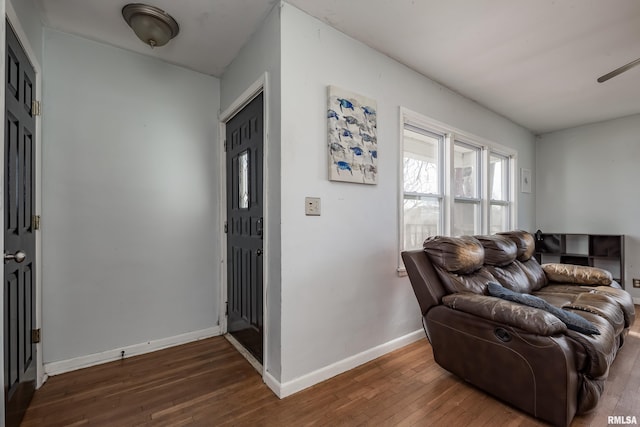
(523, 355)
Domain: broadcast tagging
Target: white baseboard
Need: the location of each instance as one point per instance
(56, 368)
(272, 383)
(322, 374)
(636, 301)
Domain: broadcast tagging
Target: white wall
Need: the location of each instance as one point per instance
(340, 291)
(262, 54)
(29, 16)
(587, 180)
(130, 219)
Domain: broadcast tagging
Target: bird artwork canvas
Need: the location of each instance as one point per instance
(352, 137)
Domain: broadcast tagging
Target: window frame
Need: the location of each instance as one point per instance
(452, 135)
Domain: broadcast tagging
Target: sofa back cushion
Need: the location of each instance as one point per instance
(524, 241)
(458, 255)
(459, 263)
(512, 277)
(535, 273)
(500, 254)
(499, 250)
(526, 248)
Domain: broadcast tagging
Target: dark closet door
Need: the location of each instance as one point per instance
(19, 234)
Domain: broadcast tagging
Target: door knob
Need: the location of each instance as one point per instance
(18, 257)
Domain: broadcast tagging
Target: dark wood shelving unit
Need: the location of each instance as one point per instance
(605, 251)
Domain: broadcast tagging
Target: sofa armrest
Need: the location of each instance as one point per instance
(529, 319)
(577, 274)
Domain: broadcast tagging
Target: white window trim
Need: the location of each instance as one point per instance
(452, 134)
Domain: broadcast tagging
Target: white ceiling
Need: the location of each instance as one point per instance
(211, 31)
(532, 61)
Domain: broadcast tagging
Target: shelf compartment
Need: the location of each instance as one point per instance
(605, 246)
(575, 259)
(577, 244)
(550, 244)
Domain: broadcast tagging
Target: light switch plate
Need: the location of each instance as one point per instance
(312, 206)
(636, 283)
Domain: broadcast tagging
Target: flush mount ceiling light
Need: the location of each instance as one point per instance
(153, 26)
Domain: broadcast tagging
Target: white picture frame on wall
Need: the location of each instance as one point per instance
(352, 137)
(525, 180)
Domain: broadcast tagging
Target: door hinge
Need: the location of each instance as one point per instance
(226, 227)
(225, 145)
(35, 222)
(35, 336)
(226, 309)
(35, 108)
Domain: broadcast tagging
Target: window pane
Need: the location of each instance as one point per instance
(421, 219)
(498, 177)
(465, 168)
(498, 219)
(421, 162)
(465, 219)
(243, 180)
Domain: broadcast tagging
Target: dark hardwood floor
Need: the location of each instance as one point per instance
(207, 383)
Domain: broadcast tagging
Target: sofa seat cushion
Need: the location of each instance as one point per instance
(614, 305)
(601, 305)
(584, 275)
(529, 319)
(623, 299)
(573, 321)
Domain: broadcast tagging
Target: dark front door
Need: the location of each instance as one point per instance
(244, 142)
(19, 235)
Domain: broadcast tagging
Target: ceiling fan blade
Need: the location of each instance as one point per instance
(618, 71)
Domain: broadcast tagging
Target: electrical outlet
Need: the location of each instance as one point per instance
(636, 283)
(312, 206)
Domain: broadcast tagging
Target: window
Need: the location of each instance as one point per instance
(452, 183)
(499, 200)
(422, 185)
(466, 189)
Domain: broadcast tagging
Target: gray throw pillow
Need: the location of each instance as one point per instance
(572, 320)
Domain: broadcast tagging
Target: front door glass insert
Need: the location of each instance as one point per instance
(243, 180)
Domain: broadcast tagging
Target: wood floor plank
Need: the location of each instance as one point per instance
(208, 383)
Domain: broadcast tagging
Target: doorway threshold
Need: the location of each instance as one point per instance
(245, 353)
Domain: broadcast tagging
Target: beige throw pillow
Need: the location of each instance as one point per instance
(578, 274)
